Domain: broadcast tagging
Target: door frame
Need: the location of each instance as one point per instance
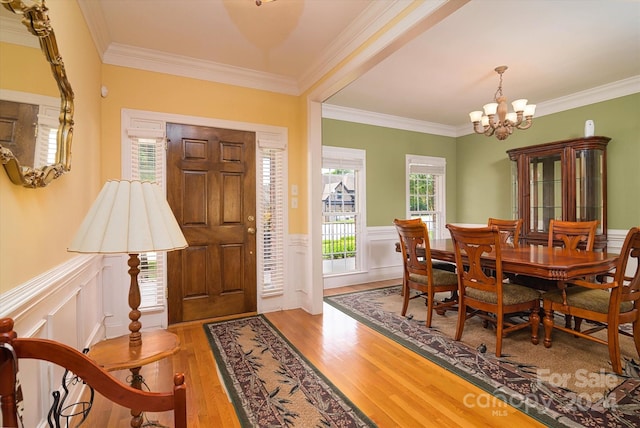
(156, 121)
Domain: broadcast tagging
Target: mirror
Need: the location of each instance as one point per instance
(19, 156)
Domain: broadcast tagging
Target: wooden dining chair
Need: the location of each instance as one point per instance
(509, 230)
(13, 348)
(572, 234)
(419, 274)
(568, 234)
(488, 296)
(607, 304)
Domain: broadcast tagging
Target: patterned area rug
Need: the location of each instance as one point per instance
(567, 385)
(270, 382)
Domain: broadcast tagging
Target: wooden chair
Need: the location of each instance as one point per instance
(569, 234)
(488, 294)
(572, 234)
(509, 230)
(608, 304)
(12, 349)
(419, 274)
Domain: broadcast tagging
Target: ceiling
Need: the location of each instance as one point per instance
(432, 63)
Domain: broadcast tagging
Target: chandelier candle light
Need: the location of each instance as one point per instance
(502, 125)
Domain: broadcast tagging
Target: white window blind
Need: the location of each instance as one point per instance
(148, 164)
(46, 137)
(272, 214)
(47, 145)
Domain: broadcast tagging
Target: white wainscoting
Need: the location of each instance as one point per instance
(382, 260)
(84, 300)
(65, 305)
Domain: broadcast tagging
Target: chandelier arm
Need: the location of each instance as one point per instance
(520, 116)
(478, 128)
(526, 124)
(489, 130)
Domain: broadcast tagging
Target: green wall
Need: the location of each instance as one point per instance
(484, 179)
(478, 169)
(386, 149)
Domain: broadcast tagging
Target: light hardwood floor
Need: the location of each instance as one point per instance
(392, 385)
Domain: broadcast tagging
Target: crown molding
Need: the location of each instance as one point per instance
(330, 111)
(594, 95)
(161, 62)
(96, 24)
(375, 17)
(598, 94)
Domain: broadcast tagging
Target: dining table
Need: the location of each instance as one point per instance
(553, 263)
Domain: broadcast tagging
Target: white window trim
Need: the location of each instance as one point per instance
(155, 124)
(357, 159)
(438, 164)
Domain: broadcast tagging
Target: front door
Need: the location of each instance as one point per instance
(211, 187)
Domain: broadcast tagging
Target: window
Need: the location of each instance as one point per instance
(146, 162)
(272, 213)
(426, 192)
(343, 178)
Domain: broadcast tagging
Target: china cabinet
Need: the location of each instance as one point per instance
(562, 180)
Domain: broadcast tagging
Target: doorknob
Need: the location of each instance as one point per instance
(251, 231)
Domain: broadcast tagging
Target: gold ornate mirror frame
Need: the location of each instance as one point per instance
(35, 18)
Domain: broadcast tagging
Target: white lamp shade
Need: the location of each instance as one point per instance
(530, 109)
(129, 217)
(519, 105)
(475, 116)
(490, 108)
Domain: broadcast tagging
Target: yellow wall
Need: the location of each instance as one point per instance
(143, 90)
(36, 225)
(26, 69)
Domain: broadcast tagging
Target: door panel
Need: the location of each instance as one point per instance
(211, 189)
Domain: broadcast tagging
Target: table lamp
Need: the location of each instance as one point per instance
(129, 217)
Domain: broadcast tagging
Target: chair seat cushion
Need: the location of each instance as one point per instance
(594, 300)
(440, 277)
(512, 294)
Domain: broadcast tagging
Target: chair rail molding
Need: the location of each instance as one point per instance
(64, 304)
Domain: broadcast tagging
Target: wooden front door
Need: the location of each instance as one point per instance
(211, 187)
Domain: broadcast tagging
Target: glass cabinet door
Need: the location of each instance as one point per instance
(545, 187)
(561, 180)
(590, 186)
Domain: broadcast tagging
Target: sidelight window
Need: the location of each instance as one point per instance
(272, 214)
(147, 164)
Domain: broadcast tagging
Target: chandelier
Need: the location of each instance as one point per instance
(502, 125)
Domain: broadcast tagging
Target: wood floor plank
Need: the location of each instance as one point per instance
(394, 386)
